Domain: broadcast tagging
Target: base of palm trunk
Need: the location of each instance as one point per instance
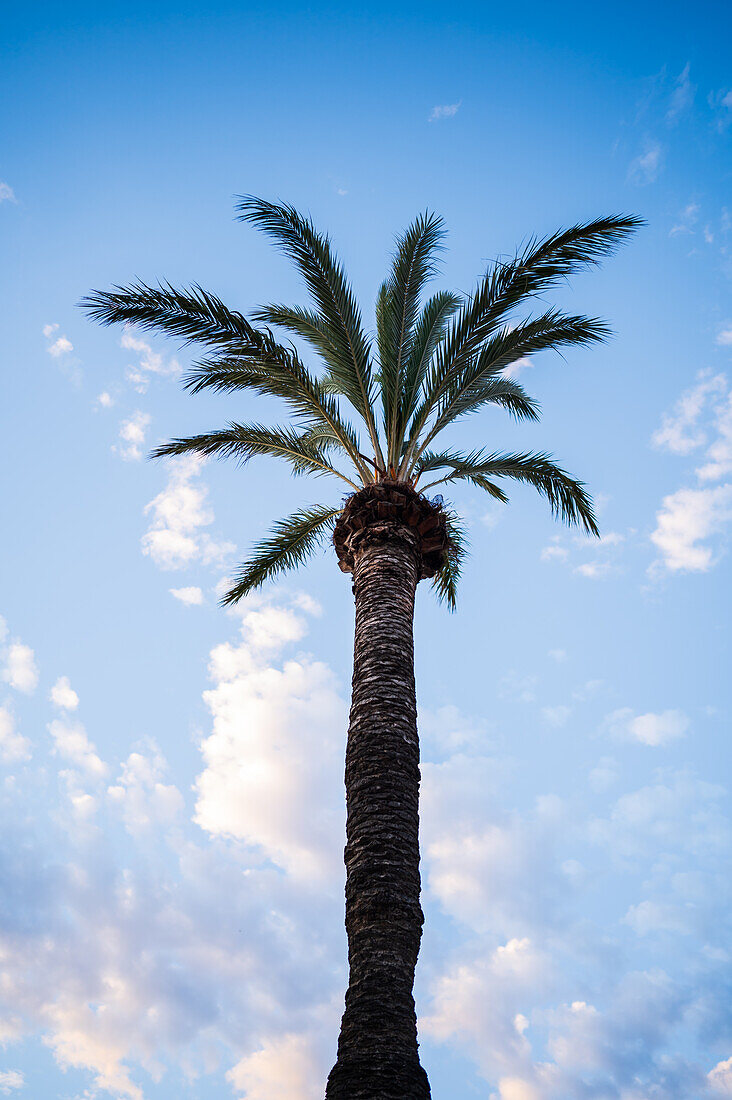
(378, 1077)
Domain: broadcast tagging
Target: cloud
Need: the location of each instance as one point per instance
(644, 169)
(556, 716)
(724, 337)
(58, 347)
(6, 193)
(687, 519)
(149, 362)
(20, 669)
(105, 400)
(721, 102)
(132, 432)
(680, 431)
(284, 1069)
(72, 743)
(273, 760)
(174, 539)
(682, 95)
(13, 747)
(690, 517)
(140, 794)
(649, 729)
(63, 695)
(720, 1078)
(190, 596)
(446, 110)
(604, 550)
(687, 220)
(10, 1079)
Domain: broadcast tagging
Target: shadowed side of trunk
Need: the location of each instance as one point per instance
(377, 1049)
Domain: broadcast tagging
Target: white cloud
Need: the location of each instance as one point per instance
(690, 517)
(680, 431)
(445, 110)
(687, 519)
(142, 796)
(273, 760)
(6, 192)
(720, 1078)
(687, 220)
(174, 539)
(556, 716)
(72, 743)
(645, 167)
(20, 669)
(682, 95)
(558, 655)
(284, 1069)
(58, 347)
(63, 695)
(13, 747)
(132, 432)
(105, 400)
(724, 337)
(190, 596)
(149, 362)
(10, 1079)
(650, 729)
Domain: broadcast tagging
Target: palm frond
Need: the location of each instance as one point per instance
(276, 371)
(567, 497)
(540, 265)
(326, 281)
(305, 323)
(445, 582)
(397, 312)
(462, 468)
(304, 451)
(428, 332)
(291, 542)
(462, 389)
(194, 315)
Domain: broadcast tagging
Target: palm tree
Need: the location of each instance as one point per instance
(431, 363)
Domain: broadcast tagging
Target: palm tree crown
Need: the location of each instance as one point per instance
(375, 411)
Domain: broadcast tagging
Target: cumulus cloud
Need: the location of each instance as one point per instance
(720, 1078)
(274, 757)
(63, 695)
(174, 539)
(20, 669)
(191, 596)
(284, 1069)
(140, 794)
(71, 743)
(132, 432)
(686, 520)
(650, 729)
(13, 747)
(148, 362)
(690, 517)
(445, 110)
(58, 347)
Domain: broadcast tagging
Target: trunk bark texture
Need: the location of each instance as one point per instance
(377, 1049)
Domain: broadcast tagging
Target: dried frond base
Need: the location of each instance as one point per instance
(391, 510)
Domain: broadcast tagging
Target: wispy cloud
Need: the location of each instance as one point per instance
(645, 167)
(445, 110)
(132, 432)
(59, 346)
(6, 193)
(682, 95)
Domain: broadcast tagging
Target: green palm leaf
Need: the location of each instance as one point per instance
(291, 542)
(304, 451)
(567, 497)
(445, 583)
(326, 280)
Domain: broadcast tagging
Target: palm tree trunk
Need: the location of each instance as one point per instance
(377, 1049)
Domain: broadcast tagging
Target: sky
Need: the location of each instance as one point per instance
(171, 800)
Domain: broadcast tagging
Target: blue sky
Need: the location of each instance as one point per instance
(170, 774)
